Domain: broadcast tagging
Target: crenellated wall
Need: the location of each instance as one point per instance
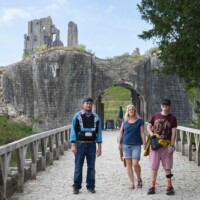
(50, 86)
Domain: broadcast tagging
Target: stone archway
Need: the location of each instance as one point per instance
(136, 99)
(50, 86)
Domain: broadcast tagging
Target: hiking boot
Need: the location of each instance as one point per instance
(91, 190)
(75, 191)
(170, 191)
(151, 190)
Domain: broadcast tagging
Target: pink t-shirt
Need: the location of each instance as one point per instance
(163, 124)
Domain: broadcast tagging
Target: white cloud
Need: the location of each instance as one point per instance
(10, 14)
(56, 4)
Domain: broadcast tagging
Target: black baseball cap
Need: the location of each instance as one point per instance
(87, 99)
(166, 101)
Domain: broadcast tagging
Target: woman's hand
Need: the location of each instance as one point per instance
(119, 146)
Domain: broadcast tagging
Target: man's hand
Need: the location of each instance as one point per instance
(73, 148)
(149, 129)
(170, 149)
(98, 152)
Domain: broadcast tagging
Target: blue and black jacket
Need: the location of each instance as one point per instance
(86, 127)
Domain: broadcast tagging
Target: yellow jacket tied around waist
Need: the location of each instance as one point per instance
(162, 142)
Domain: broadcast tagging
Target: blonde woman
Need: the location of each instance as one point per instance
(131, 137)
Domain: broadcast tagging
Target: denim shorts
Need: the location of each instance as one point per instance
(131, 151)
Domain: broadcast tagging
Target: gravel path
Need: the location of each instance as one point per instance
(111, 179)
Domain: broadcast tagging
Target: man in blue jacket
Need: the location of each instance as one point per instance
(85, 133)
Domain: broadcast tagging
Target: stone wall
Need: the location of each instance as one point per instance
(158, 87)
(49, 87)
(3, 107)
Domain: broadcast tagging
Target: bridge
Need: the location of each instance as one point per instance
(47, 172)
(48, 87)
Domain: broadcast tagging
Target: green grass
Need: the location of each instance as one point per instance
(10, 131)
(42, 49)
(112, 98)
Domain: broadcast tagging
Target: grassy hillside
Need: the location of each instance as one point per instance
(10, 131)
(112, 99)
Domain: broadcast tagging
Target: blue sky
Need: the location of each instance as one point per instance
(107, 27)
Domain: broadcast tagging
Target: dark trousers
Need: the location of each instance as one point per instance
(87, 150)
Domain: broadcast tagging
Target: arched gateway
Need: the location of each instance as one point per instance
(50, 86)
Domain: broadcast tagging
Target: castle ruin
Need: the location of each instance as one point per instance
(41, 32)
(72, 40)
(50, 88)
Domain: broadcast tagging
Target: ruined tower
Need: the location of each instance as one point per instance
(136, 52)
(41, 33)
(72, 40)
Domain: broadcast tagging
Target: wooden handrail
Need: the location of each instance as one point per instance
(53, 143)
(27, 140)
(192, 130)
(188, 143)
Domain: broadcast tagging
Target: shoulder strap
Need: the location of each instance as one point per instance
(165, 122)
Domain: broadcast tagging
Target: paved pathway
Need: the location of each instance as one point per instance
(111, 179)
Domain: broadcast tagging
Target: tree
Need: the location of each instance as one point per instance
(175, 28)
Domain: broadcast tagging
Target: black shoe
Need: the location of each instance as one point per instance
(75, 191)
(151, 190)
(170, 191)
(91, 190)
